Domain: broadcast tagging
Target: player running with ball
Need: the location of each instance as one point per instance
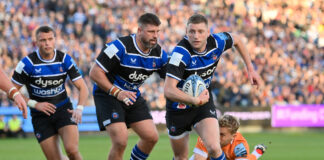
(198, 53)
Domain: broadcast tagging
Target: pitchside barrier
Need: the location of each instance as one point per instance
(265, 117)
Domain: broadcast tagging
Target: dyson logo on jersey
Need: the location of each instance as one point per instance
(45, 83)
(48, 92)
(139, 77)
(208, 72)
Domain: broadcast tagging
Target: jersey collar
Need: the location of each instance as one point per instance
(137, 48)
(44, 60)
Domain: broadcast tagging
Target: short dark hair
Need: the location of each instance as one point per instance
(148, 18)
(45, 29)
(197, 18)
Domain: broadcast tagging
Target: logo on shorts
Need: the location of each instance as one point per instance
(114, 115)
(172, 128)
(38, 135)
(212, 112)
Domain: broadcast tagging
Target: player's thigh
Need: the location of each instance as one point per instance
(180, 146)
(208, 130)
(118, 133)
(146, 129)
(51, 148)
(70, 136)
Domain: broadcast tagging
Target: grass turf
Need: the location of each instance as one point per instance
(284, 146)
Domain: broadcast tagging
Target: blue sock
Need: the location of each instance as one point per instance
(137, 154)
(222, 157)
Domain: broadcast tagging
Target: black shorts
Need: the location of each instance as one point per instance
(110, 110)
(180, 121)
(46, 126)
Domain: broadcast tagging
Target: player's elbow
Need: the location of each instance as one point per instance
(167, 91)
(93, 73)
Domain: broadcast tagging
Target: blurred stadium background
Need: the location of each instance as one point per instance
(285, 39)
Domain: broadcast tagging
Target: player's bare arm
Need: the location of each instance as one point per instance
(173, 93)
(13, 93)
(44, 107)
(254, 77)
(83, 96)
(98, 75)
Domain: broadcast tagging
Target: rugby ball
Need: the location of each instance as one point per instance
(193, 85)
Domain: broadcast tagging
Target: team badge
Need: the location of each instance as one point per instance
(154, 64)
(181, 106)
(38, 135)
(61, 69)
(214, 57)
(114, 115)
(172, 128)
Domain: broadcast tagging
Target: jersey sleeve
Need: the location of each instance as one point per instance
(163, 70)
(110, 55)
(22, 72)
(224, 40)
(179, 60)
(242, 151)
(71, 68)
(200, 148)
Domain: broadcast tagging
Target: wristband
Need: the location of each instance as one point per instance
(114, 91)
(32, 103)
(80, 107)
(12, 92)
(14, 95)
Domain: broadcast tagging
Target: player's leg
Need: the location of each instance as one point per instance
(46, 136)
(51, 148)
(138, 117)
(208, 130)
(180, 146)
(70, 138)
(118, 135)
(148, 138)
(111, 117)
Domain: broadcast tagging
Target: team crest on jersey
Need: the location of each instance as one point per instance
(154, 64)
(61, 69)
(114, 115)
(214, 57)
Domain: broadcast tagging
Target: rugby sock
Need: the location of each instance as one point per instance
(137, 154)
(222, 157)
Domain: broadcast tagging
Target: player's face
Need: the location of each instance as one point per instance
(45, 42)
(149, 35)
(225, 136)
(197, 35)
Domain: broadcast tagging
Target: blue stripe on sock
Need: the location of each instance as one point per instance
(222, 157)
(137, 154)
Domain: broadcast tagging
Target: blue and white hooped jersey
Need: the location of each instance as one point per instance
(45, 79)
(127, 67)
(185, 61)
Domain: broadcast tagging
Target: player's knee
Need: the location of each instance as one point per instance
(152, 139)
(120, 145)
(214, 148)
(72, 151)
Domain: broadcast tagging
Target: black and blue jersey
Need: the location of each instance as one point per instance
(127, 67)
(185, 61)
(45, 79)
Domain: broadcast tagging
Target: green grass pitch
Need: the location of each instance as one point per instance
(284, 146)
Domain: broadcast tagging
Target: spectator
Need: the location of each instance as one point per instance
(14, 127)
(3, 127)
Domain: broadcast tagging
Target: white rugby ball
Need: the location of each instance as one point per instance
(194, 85)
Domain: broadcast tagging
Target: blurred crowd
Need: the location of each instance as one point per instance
(285, 39)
